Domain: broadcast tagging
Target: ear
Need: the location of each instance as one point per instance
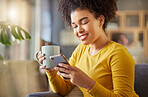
(101, 20)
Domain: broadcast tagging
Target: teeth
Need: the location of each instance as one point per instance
(83, 36)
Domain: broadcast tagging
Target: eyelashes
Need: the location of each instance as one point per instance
(83, 23)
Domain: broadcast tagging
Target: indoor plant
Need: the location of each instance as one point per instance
(9, 32)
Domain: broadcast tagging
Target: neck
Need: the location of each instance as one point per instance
(98, 44)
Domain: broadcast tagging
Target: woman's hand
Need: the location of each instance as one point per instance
(77, 76)
(41, 58)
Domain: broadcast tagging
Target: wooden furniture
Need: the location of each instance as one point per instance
(134, 24)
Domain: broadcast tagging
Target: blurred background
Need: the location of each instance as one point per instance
(21, 74)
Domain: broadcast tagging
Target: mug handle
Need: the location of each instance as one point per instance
(38, 59)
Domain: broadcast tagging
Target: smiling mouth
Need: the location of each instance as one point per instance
(83, 37)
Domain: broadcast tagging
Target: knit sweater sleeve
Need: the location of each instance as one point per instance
(57, 83)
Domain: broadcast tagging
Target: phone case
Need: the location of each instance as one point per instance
(56, 59)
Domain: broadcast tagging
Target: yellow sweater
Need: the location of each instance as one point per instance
(112, 68)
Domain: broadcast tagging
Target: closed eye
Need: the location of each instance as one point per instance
(83, 23)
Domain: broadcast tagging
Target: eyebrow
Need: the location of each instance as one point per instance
(81, 19)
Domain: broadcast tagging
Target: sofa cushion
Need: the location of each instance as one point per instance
(141, 80)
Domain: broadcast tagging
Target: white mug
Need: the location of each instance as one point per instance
(49, 50)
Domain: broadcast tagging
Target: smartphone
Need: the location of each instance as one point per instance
(56, 59)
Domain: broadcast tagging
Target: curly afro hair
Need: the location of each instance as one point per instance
(107, 8)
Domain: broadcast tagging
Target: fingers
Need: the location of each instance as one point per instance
(67, 66)
(41, 57)
(61, 69)
(64, 70)
(65, 75)
(42, 67)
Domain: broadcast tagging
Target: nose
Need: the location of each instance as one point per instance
(80, 29)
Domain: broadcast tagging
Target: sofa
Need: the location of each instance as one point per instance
(19, 78)
(141, 83)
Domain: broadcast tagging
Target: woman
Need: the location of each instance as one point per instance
(98, 66)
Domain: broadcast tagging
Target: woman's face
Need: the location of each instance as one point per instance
(85, 26)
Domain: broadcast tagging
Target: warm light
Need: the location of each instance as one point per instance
(12, 14)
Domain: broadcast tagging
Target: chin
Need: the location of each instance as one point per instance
(85, 43)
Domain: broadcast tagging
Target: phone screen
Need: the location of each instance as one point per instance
(58, 59)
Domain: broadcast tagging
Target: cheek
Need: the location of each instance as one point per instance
(95, 28)
(90, 27)
(75, 32)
